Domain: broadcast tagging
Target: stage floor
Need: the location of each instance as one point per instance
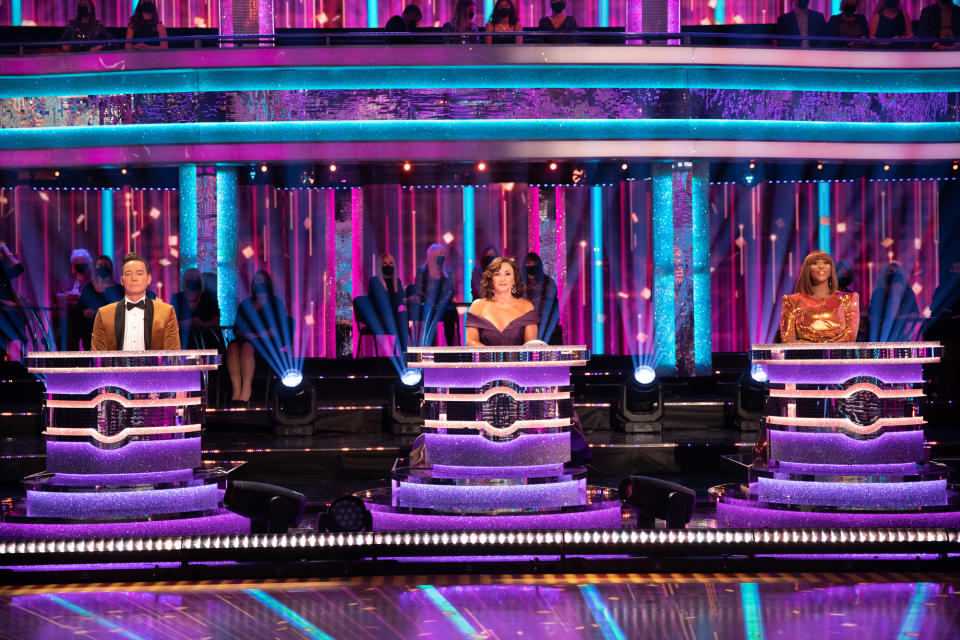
(609, 606)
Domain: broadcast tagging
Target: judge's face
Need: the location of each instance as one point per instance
(503, 279)
(820, 271)
(135, 279)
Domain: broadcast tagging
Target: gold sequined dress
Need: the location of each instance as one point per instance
(807, 319)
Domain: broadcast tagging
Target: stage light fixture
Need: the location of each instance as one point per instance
(658, 499)
(294, 408)
(333, 168)
(758, 373)
(481, 166)
(956, 166)
(406, 400)
(123, 171)
(753, 165)
(886, 167)
(347, 514)
(263, 168)
(624, 166)
(749, 178)
(407, 166)
(819, 165)
(411, 377)
(271, 509)
(56, 174)
(640, 405)
(553, 166)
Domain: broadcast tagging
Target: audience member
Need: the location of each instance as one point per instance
(848, 26)
(145, 23)
(101, 291)
(69, 320)
(197, 312)
(894, 313)
(261, 329)
(890, 21)
(406, 21)
(504, 19)
(85, 27)
(937, 21)
(801, 22)
(80, 273)
(845, 277)
(559, 22)
(487, 255)
(387, 297)
(13, 322)
(433, 290)
(462, 24)
(541, 290)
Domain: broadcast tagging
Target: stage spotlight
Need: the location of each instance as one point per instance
(406, 400)
(481, 166)
(271, 509)
(753, 165)
(407, 166)
(658, 499)
(294, 409)
(750, 398)
(333, 168)
(748, 178)
(123, 171)
(624, 166)
(263, 168)
(956, 166)
(56, 174)
(886, 167)
(644, 374)
(553, 166)
(346, 514)
(640, 405)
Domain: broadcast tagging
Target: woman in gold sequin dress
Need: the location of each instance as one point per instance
(818, 312)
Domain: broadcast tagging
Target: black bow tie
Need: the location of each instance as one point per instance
(136, 305)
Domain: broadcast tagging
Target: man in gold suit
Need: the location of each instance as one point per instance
(136, 323)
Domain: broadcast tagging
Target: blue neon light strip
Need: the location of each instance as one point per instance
(305, 626)
(702, 318)
(596, 269)
(913, 619)
(227, 244)
(824, 213)
(664, 293)
(449, 611)
(16, 13)
(752, 614)
(103, 622)
(608, 625)
(514, 129)
(106, 222)
(487, 12)
(560, 76)
(469, 242)
(188, 217)
(603, 13)
(373, 16)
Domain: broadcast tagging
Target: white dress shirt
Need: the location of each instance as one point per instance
(133, 327)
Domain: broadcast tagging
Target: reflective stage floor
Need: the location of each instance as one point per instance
(609, 606)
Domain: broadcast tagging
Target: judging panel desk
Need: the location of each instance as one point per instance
(495, 446)
(122, 433)
(843, 444)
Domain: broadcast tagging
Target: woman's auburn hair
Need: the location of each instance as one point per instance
(486, 283)
(804, 285)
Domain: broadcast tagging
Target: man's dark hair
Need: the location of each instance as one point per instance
(412, 10)
(133, 257)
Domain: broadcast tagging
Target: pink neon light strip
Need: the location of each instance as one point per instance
(491, 365)
(192, 367)
(116, 397)
(793, 346)
(123, 435)
(845, 423)
(483, 425)
(483, 397)
(846, 393)
(820, 361)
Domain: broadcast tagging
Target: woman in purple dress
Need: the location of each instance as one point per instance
(501, 318)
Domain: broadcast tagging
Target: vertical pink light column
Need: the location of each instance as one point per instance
(246, 16)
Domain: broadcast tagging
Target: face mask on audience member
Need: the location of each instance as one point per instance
(441, 260)
(803, 4)
(104, 272)
(849, 8)
(387, 270)
(533, 270)
(501, 13)
(260, 288)
(192, 285)
(83, 11)
(558, 7)
(81, 267)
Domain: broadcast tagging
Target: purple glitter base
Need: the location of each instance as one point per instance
(873, 495)
(476, 450)
(837, 448)
(889, 372)
(225, 522)
(477, 377)
(123, 479)
(607, 517)
(121, 504)
(140, 382)
(137, 456)
(469, 471)
(889, 470)
(489, 497)
(741, 513)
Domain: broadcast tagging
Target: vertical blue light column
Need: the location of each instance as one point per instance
(16, 13)
(603, 13)
(373, 16)
(469, 242)
(487, 11)
(719, 12)
(702, 317)
(106, 223)
(188, 217)
(664, 329)
(752, 613)
(824, 212)
(227, 256)
(596, 278)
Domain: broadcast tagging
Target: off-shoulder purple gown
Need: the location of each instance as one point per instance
(512, 334)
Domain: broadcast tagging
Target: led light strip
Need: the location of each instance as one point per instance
(489, 393)
(172, 368)
(490, 365)
(845, 423)
(846, 393)
(859, 346)
(127, 403)
(89, 355)
(483, 425)
(572, 349)
(819, 361)
(129, 432)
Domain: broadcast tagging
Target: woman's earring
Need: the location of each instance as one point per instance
(514, 291)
